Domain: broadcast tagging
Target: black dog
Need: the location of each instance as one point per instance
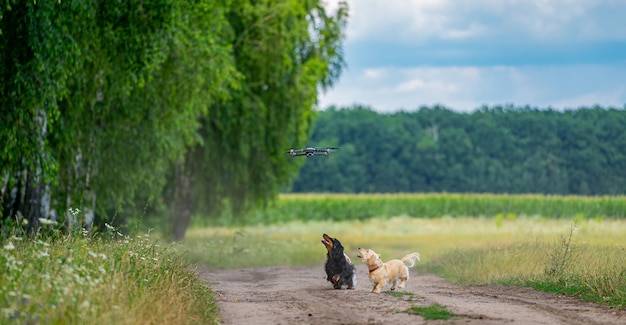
(339, 269)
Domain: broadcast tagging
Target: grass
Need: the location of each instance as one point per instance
(116, 279)
(122, 279)
(514, 251)
(433, 312)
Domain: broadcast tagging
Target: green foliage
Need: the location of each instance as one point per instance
(341, 207)
(100, 101)
(284, 51)
(508, 149)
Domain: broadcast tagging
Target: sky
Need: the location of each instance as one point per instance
(462, 54)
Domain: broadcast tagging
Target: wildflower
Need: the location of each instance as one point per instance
(7, 311)
(48, 222)
(9, 246)
(92, 254)
(24, 222)
(85, 304)
(43, 254)
(40, 242)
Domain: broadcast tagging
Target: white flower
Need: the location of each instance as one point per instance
(44, 254)
(7, 312)
(85, 304)
(93, 254)
(40, 242)
(9, 246)
(48, 222)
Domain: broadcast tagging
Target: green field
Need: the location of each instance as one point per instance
(350, 207)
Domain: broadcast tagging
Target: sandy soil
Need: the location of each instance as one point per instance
(301, 295)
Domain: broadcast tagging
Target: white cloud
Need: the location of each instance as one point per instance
(467, 88)
(389, 42)
(422, 20)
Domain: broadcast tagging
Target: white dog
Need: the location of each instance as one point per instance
(381, 273)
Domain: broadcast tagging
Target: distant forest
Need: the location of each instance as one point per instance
(491, 150)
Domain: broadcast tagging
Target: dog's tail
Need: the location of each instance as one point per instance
(410, 259)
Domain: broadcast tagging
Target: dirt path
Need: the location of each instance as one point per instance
(301, 295)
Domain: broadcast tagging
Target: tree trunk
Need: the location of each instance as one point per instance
(32, 203)
(183, 202)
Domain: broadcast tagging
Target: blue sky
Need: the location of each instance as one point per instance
(403, 54)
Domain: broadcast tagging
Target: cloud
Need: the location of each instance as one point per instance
(402, 54)
(411, 21)
(468, 88)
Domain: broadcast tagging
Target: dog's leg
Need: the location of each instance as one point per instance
(395, 281)
(336, 281)
(379, 287)
(403, 282)
(352, 280)
(403, 279)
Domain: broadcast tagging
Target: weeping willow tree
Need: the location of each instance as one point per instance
(99, 98)
(285, 52)
(101, 101)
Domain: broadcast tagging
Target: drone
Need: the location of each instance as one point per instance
(311, 151)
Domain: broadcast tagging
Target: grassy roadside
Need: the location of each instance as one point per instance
(115, 279)
(566, 266)
(515, 251)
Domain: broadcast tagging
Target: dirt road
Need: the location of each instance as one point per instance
(301, 295)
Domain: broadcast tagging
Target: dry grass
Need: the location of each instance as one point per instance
(392, 237)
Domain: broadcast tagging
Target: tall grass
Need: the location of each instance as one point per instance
(343, 207)
(586, 269)
(117, 279)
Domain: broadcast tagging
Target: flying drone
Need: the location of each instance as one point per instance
(311, 151)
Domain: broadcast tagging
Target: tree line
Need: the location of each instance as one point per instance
(499, 149)
(115, 107)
